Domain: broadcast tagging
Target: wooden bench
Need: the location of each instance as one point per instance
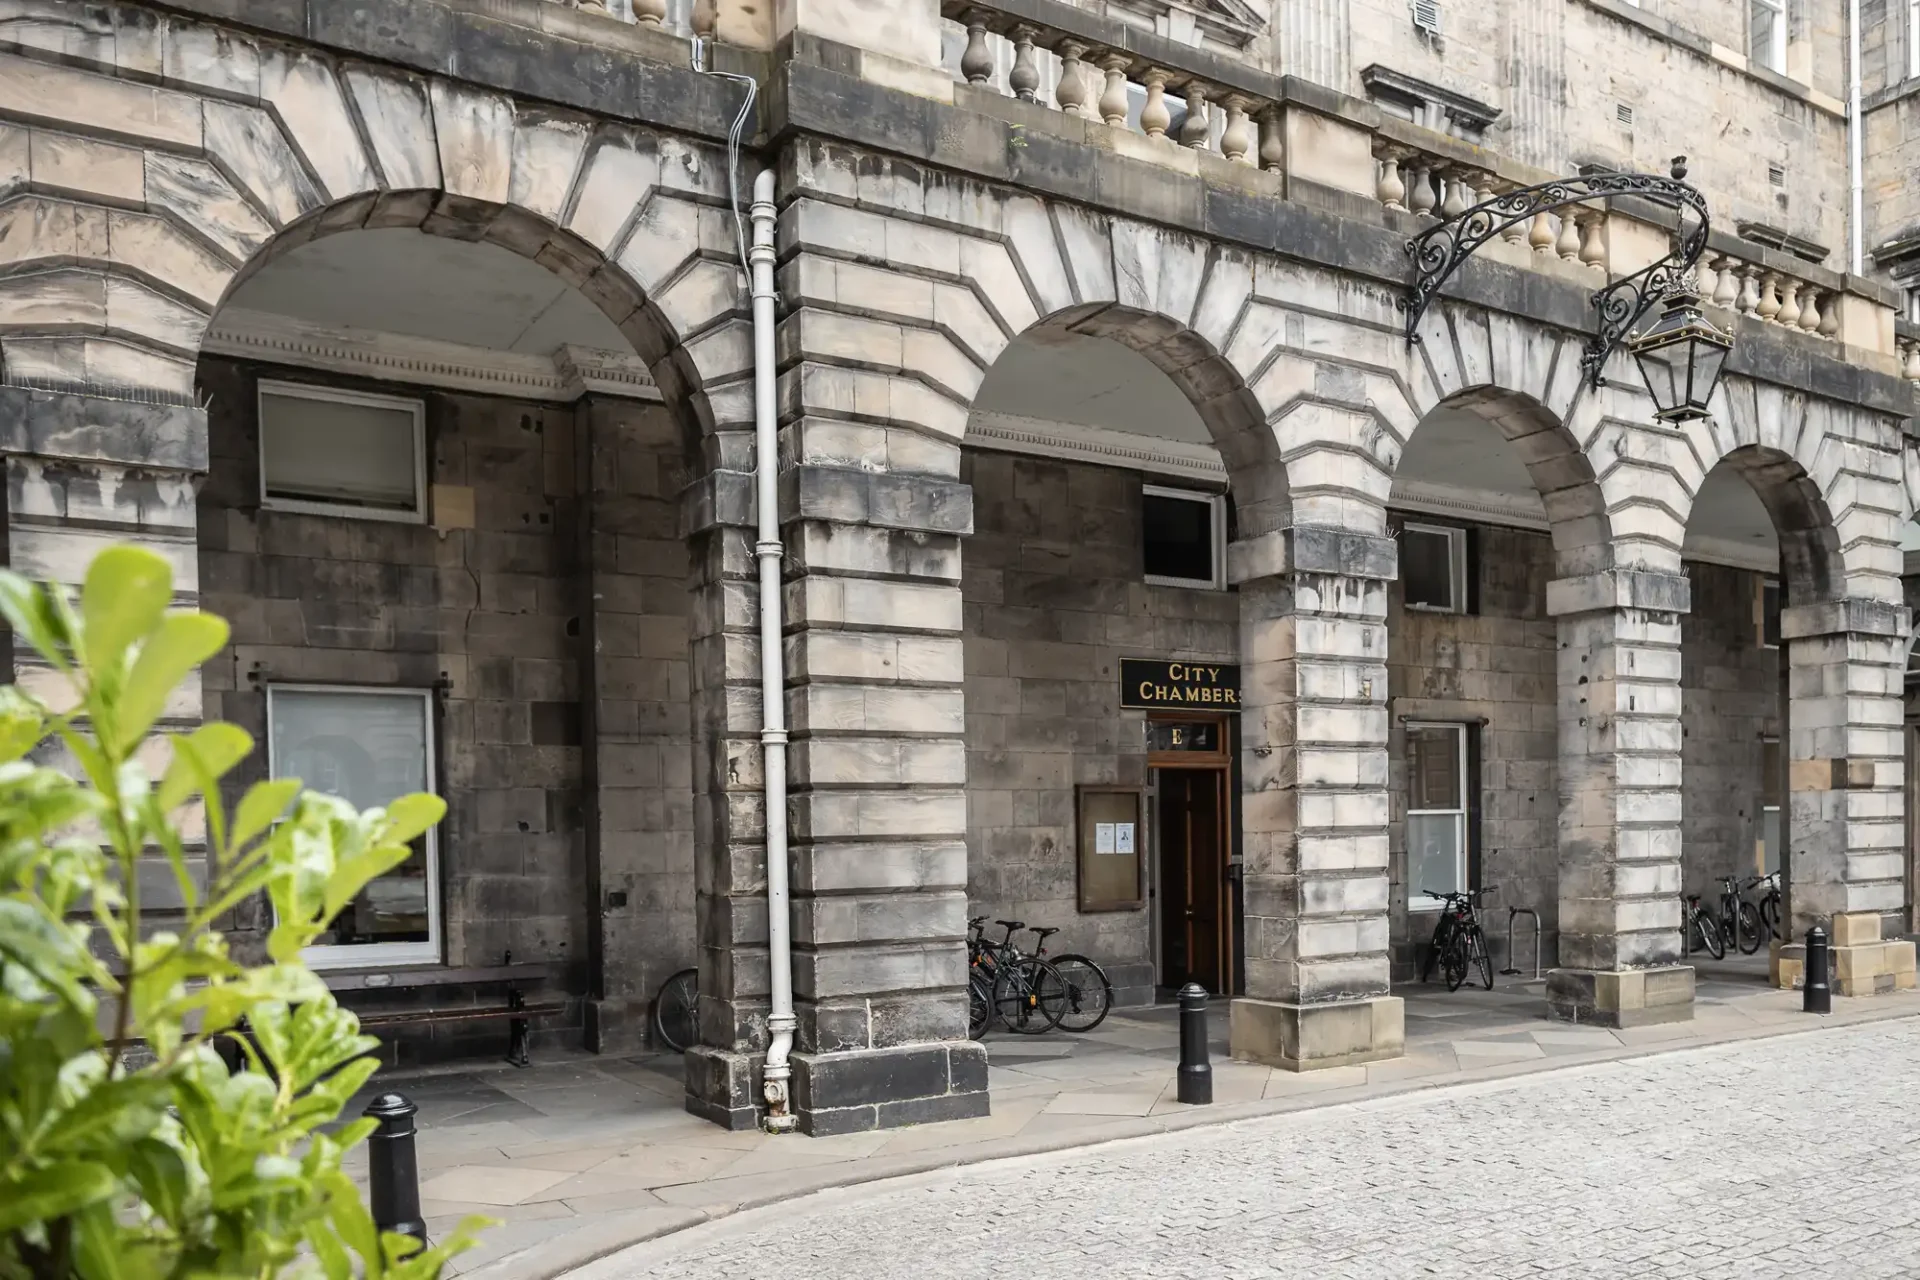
(516, 1009)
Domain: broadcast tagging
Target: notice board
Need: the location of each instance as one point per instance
(1111, 840)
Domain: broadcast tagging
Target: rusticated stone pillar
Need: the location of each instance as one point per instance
(1619, 771)
(1314, 805)
(1846, 833)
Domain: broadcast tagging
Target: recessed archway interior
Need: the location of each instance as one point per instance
(401, 280)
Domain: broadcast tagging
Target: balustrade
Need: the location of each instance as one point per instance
(1768, 294)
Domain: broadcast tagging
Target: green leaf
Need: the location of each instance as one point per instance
(30, 612)
(264, 802)
(200, 760)
(44, 949)
(22, 724)
(411, 815)
(180, 643)
(161, 1173)
(127, 590)
(53, 1192)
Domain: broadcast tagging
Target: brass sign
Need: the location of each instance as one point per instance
(1184, 686)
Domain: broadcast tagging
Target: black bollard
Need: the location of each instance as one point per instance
(392, 1168)
(1196, 1074)
(1816, 996)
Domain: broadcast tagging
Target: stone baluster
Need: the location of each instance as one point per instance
(1789, 313)
(1749, 302)
(1113, 100)
(1453, 193)
(1769, 297)
(1237, 141)
(1196, 128)
(706, 13)
(1726, 292)
(1568, 243)
(976, 64)
(1389, 187)
(1071, 93)
(1810, 311)
(600, 7)
(1154, 115)
(1540, 235)
(1593, 243)
(1024, 79)
(1706, 278)
(1420, 194)
(1516, 233)
(1912, 367)
(1830, 317)
(1273, 140)
(651, 13)
(1483, 186)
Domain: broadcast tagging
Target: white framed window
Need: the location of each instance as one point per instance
(368, 746)
(1436, 813)
(1433, 568)
(1913, 38)
(326, 451)
(1183, 536)
(1767, 607)
(1767, 34)
(1766, 853)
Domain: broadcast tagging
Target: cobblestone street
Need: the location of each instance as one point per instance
(1789, 1155)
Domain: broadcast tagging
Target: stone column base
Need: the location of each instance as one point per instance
(845, 1092)
(1620, 997)
(883, 1088)
(1861, 963)
(1309, 1037)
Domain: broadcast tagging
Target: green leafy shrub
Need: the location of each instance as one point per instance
(127, 1149)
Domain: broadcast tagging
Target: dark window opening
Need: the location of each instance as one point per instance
(1432, 563)
(1178, 537)
(1770, 615)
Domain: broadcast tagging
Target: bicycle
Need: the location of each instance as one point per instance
(1739, 919)
(675, 1010)
(1089, 993)
(1695, 918)
(1769, 908)
(1459, 943)
(1027, 994)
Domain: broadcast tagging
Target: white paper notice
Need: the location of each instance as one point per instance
(1103, 837)
(1123, 837)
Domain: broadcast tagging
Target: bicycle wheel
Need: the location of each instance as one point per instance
(1089, 994)
(1770, 915)
(1441, 934)
(1710, 935)
(674, 1025)
(979, 1005)
(1029, 997)
(1453, 962)
(1747, 929)
(1478, 956)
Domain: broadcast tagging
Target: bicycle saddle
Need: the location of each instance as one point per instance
(976, 921)
(1011, 924)
(1045, 933)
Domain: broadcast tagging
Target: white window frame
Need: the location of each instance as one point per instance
(1913, 38)
(1456, 567)
(1760, 610)
(1779, 818)
(1777, 47)
(1417, 899)
(337, 395)
(1216, 535)
(372, 954)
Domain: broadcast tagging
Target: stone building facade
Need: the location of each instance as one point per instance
(1090, 351)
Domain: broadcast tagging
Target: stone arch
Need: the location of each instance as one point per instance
(310, 147)
(1811, 563)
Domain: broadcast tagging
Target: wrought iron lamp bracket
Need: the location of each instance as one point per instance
(1438, 251)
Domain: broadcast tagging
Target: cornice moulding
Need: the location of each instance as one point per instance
(569, 373)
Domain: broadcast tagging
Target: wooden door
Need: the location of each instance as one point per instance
(1198, 902)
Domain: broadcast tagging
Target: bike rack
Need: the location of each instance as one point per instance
(1512, 912)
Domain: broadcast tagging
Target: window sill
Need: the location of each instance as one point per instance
(1190, 584)
(294, 506)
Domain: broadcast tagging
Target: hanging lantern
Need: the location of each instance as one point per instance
(1680, 355)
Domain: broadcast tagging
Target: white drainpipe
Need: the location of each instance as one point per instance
(1856, 180)
(773, 674)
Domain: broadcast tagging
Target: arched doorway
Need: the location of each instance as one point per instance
(442, 516)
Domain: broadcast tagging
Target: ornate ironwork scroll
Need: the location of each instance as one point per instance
(1438, 251)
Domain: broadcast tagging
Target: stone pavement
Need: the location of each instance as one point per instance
(579, 1156)
(1791, 1156)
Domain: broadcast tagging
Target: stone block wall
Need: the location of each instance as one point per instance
(494, 615)
(1054, 598)
(1730, 701)
(1493, 667)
